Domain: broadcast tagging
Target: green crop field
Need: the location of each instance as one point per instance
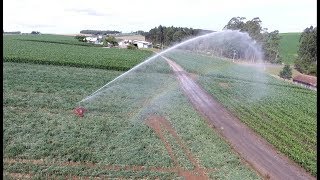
(283, 113)
(43, 138)
(289, 44)
(116, 138)
(45, 49)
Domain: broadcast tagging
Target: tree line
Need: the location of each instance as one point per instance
(167, 36)
(306, 61)
(12, 32)
(19, 32)
(269, 41)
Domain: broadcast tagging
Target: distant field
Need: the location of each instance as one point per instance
(65, 50)
(289, 47)
(49, 38)
(283, 113)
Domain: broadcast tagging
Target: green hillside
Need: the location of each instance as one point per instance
(289, 44)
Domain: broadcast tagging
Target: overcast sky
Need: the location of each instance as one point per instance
(71, 16)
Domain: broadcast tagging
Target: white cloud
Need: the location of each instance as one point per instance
(71, 16)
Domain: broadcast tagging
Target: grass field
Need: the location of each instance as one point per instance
(283, 113)
(289, 44)
(43, 138)
(45, 49)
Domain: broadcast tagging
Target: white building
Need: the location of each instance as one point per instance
(142, 44)
(138, 44)
(124, 43)
(94, 40)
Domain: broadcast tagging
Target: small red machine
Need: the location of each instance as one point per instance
(79, 111)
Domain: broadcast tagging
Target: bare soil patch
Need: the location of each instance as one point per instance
(193, 76)
(19, 175)
(157, 123)
(224, 85)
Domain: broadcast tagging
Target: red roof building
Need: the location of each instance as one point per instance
(306, 80)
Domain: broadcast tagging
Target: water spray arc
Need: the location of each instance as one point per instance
(202, 43)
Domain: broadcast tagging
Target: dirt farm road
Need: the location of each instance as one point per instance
(252, 148)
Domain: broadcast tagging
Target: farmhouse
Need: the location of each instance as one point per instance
(306, 81)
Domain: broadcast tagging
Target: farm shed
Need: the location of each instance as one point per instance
(306, 81)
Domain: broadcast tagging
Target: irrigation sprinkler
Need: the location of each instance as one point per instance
(79, 111)
(234, 54)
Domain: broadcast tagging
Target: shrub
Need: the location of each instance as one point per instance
(130, 46)
(286, 72)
